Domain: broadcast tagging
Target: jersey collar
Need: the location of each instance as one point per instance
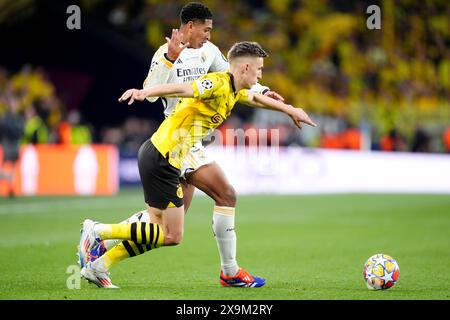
(232, 82)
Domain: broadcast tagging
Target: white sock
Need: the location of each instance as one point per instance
(223, 227)
(141, 216)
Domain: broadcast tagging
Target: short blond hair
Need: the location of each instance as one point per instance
(246, 49)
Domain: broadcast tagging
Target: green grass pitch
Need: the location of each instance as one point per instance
(308, 247)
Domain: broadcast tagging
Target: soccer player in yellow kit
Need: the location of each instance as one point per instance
(205, 104)
(188, 55)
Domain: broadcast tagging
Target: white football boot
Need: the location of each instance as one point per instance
(88, 239)
(99, 278)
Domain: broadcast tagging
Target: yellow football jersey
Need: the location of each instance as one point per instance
(195, 118)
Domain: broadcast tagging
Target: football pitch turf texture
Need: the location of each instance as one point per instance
(307, 247)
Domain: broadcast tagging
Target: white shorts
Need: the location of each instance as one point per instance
(197, 157)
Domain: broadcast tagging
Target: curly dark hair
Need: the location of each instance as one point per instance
(196, 12)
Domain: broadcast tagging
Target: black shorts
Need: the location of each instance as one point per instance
(159, 178)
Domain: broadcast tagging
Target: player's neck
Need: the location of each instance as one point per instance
(236, 82)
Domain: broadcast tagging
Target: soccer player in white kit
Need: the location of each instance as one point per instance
(186, 56)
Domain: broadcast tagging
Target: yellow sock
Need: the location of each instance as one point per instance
(146, 236)
(139, 232)
(115, 231)
(115, 255)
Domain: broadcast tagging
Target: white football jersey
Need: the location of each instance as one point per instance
(190, 65)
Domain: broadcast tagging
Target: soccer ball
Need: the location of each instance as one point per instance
(381, 272)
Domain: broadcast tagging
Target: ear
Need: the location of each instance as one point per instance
(243, 67)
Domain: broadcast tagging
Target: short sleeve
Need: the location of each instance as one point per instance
(220, 63)
(205, 87)
(243, 96)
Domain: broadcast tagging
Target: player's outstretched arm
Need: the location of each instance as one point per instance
(180, 90)
(297, 114)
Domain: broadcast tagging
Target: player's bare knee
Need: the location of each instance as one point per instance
(173, 239)
(227, 197)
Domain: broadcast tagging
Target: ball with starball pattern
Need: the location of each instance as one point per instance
(381, 272)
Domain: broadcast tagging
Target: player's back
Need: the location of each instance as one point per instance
(194, 118)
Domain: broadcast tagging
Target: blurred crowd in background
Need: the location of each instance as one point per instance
(385, 89)
(29, 97)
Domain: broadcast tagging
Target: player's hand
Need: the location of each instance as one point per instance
(174, 45)
(274, 95)
(299, 116)
(132, 94)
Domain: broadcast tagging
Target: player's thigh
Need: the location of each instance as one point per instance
(160, 180)
(211, 179)
(172, 222)
(173, 225)
(155, 215)
(188, 194)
